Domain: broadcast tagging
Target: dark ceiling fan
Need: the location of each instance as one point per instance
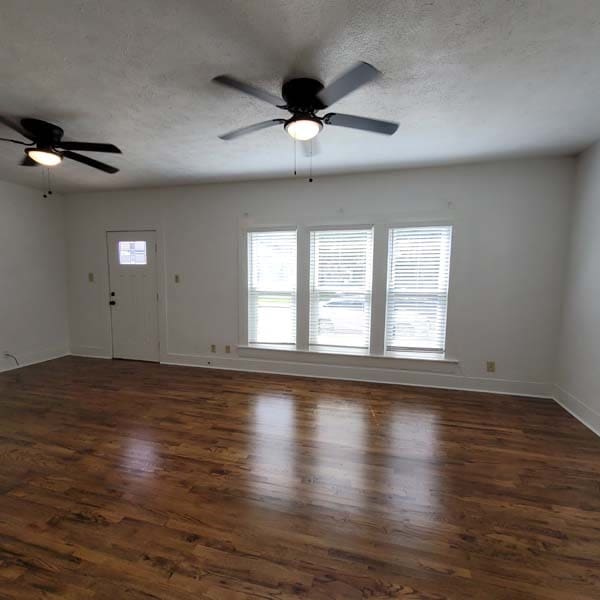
(46, 147)
(304, 98)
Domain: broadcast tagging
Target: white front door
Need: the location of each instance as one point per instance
(133, 294)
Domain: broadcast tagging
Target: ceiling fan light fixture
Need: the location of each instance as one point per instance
(47, 158)
(303, 129)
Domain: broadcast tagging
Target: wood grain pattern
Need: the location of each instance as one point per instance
(132, 480)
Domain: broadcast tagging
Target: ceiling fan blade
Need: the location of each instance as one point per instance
(86, 160)
(364, 123)
(89, 147)
(310, 147)
(15, 127)
(359, 75)
(251, 129)
(250, 89)
(28, 162)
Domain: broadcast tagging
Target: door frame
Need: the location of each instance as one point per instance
(160, 270)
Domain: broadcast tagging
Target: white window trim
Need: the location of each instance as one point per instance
(342, 349)
(267, 350)
(303, 227)
(243, 279)
(400, 352)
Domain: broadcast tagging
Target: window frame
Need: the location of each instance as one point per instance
(381, 232)
(336, 348)
(243, 325)
(407, 351)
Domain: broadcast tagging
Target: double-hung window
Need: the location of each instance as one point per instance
(272, 287)
(417, 288)
(341, 263)
(335, 294)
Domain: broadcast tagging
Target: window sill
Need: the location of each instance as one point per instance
(426, 357)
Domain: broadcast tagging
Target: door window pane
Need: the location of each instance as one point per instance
(132, 253)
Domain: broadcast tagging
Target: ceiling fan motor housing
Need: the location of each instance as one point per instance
(45, 134)
(300, 95)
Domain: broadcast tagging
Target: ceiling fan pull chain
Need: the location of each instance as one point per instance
(310, 177)
(49, 192)
(295, 157)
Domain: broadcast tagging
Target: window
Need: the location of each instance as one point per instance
(132, 253)
(417, 296)
(341, 263)
(272, 287)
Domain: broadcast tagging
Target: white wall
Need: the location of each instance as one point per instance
(510, 222)
(33, 289)
(579, 344)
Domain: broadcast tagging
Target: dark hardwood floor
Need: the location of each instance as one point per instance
(132, 480)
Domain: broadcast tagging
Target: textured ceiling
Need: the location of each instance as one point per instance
(466, 79)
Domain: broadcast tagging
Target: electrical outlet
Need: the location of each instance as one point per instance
(213, 347)
(228, 349)
(490, 366)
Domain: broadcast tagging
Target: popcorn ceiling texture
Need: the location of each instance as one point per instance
(468, 80)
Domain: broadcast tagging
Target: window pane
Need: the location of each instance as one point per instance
(272, 287)
(418, 273)
(341, 264)
(132, 253)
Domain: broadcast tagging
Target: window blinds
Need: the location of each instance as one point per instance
(417, 298)
(272, 287)
(341, 263)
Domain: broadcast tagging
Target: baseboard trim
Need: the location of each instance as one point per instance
(90, 352)
(578, 408)
(33, 358)
(412, 378)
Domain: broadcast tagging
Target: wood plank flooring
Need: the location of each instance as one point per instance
(132, 480)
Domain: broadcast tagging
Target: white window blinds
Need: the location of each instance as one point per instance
(272, 287)
(341, 262)
(417, 297)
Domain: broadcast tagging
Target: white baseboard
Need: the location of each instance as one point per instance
(90, 352)
(369, 374)
(578, 408)
(32, 358)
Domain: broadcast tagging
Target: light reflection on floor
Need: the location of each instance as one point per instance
(273, 447)
(140, 455)
(412, 441)
(339, 469)
(332, 469)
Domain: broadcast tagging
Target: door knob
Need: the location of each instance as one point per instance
(112, 302)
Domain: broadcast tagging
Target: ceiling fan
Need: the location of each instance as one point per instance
(304, 97)
(46, 147)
